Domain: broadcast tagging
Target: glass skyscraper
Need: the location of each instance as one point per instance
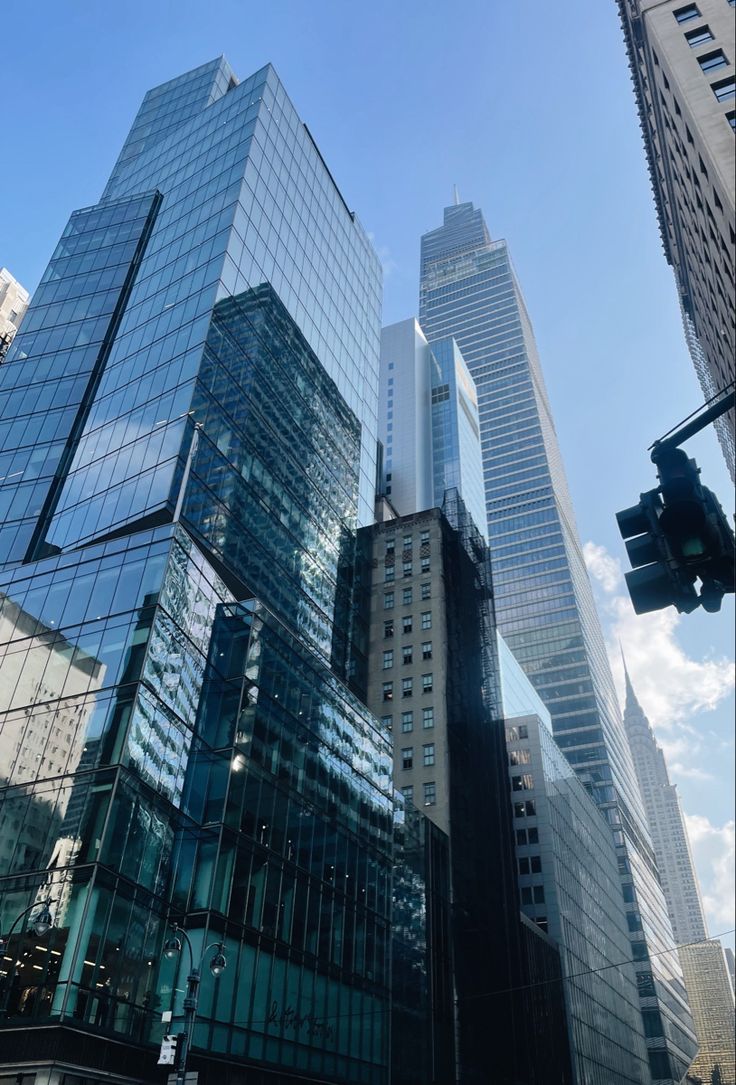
(703, 961)
(569, 886)
(544, 602)
(187, 446)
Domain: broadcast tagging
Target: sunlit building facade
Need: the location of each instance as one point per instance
(13, 304)
(681, 58)
(428, 423)
(569, 886)
(543, 598)
(190, 410)
(704, 965)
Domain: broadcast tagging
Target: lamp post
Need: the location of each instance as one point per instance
(172, 949)
(43, 923)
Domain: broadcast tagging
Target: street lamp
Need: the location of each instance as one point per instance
(41, 925)
(172, 948)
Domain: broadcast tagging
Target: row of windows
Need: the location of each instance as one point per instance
(407, 756)
(407, 687)
(407, 654)
(724, 89)
(407, 596)
(407, 622)
(407, 569)
(407, 540)
(407, 720)
(429, 791)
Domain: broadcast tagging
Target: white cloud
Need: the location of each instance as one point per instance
(713, 849)
(605, 569)
(670, 686)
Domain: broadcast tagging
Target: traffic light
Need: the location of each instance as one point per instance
(676, 535)
(169, 1049)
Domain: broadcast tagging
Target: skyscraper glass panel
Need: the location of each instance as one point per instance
(544, 603)
(188, 444)
(456, 458)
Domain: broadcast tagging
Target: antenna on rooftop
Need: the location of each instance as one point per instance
(455, 195)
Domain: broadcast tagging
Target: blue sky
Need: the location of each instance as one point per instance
(528, 108)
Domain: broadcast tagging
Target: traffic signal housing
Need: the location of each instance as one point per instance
(676, 535)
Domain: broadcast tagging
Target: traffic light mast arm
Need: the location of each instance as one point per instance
(688, 429)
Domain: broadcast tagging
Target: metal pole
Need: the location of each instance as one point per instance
(677, 436)
(5, 944)
(190, 1014)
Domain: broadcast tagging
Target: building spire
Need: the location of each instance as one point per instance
(632, 704)
(455, 196)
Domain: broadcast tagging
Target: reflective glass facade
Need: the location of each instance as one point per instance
(433, 679)
(246, 200)
(544, 602)
(188, 756)
(569, 886)
(422, 1012)
(456, 458)
(188, 437)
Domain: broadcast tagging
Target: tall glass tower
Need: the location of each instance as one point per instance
(187, 446)
(544, 602)
(703, 961)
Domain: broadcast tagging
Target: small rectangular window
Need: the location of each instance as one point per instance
(407, 757)
(390, 572)
(388, 660)
(539, 894)
(519, 810)
(388, 722)
(731, 118)
(426, 683)
(526, 895)
(388, 600)
(523, 865)
(424, 536)
(406, 597)
(711, 62)
(428, 754)
(424, 565)
(523, 731)
(407, 653)
(388, 628)
(407, 568)
(407, 721)
(684, 15)
(430, 794)
(531, 808)
(388, 691)
(407, 687)
(426, 619)
(426, 591)
(533, 836)
(407, 542)
(390, 545)
(698, 36)
(427, 718)
(519, 757)
(521, 837)
(427, 649)
(408, 792)
(724, 89)
(536, 864)
(406, 624)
